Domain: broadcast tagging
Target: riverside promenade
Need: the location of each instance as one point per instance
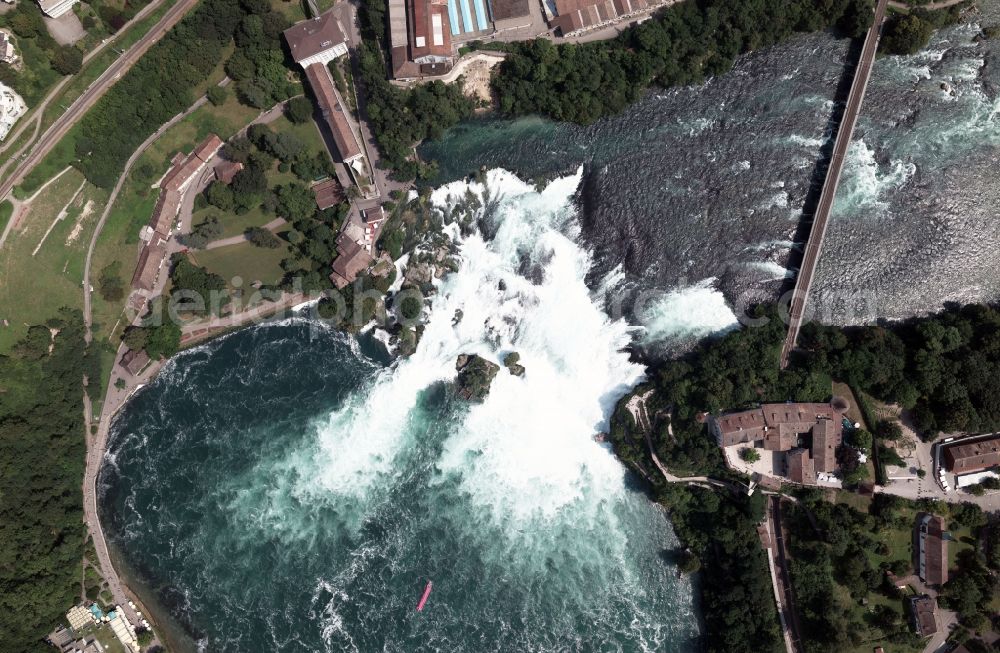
(817, 231)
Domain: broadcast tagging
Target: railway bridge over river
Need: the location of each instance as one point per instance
(817, 231)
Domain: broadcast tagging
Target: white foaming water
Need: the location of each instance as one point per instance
(690, 312)
(527, 452)
(778, 200)
(865, 183)
(806, 142)
(774, 271)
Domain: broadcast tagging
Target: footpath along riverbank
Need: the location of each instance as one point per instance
(122, 385)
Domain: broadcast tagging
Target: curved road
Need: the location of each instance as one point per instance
(111, 202)
(63, 123)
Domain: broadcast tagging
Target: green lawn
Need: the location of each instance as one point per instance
(6, 210)
(294, 10)
(245, 261)
(232, 224)
(33, 288)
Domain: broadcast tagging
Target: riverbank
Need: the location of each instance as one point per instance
(122, 386)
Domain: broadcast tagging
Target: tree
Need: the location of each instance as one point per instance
(164, 340)
(135, 338)
(905, 34)
(42, 451)
(260, 237)
(749, 454)
(109, 282)
(238, 149)
(217, 95)
(203, 233)
(221, 196)
(67, 60)
(862, 439)
(299, 109)
(295, 202)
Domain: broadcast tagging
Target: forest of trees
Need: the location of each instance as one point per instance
(908, 33)
(42, 453)
(683, 44)
(944, 367)
(158, 87)
(736, 598)
(259, 65)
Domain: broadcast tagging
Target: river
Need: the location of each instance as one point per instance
(291, 488)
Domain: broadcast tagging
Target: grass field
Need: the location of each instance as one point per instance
(295, 10)
(34, 286)
(245, 261)
(233, 225)
(6, 211)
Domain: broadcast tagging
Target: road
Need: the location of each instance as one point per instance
(782, 578)
(943, 4)
(111, 203)
(347, 13)
(810, 258)
(79, 108)
(114, 398)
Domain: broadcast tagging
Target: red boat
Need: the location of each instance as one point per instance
(423, 599)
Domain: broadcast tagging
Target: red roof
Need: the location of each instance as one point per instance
(208, 147)
(328, 193)
(150, 259)
(164, 212)
(333, 111)
(431, 29)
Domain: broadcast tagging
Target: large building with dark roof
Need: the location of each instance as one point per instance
(965, 458)
(147, 269)
(352, 260)
(932, 550)
(573, 16)
(813, 431)
(317, 40)
(801, 467)
(420, 33)
(431, 42)
(922, 612)
(334, 114)
(314, 44)
(507, 9)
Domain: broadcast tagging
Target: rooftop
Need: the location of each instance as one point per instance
(504, 9)
(328, 193)
(923, 615)
(336, 118)
(313, 36)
